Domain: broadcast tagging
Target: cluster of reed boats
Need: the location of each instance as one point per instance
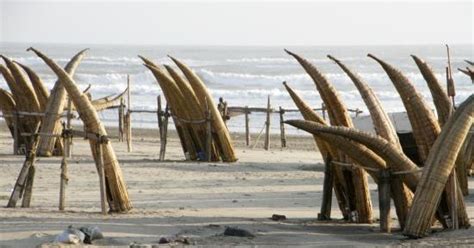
(425, 191)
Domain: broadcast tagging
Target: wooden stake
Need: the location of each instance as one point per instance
(16, 143)
(68, 142)
(63, 178)
(282, 128)
(267, 127)
(128, 135)
(247, 129)
(325, 213)
(21, 181)
(209, 133)
(159, 114)
(100, 167)
(323, 109)
(129, 116)
(454, 199)
(120, 120)
(28, 191)
(164, 134)
(384, 200)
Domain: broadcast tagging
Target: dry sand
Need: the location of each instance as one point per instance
(194, 200)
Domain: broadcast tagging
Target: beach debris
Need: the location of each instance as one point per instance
(70, 236)
(237, 232)
(164, 240)
(117, 191)
(278, 217)
(91, 233)
(85, 234)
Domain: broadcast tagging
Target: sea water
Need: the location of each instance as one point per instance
(245, 76)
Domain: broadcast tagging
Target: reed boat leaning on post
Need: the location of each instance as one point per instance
(117, 196)
(356, 179)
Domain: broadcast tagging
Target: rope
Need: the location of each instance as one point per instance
(189, 121)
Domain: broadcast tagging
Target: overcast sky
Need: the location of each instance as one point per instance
(237, 23)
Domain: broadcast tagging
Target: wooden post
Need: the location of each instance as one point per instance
(384, 200)
(209, 133)
(323, 109)
(267, 125)
(247, 129)
(22, 179)
(129, 116)
(28, 191)
(450, 83)
(282, 128)
(325, 213)
(100, 167)
(63, 178)
(68, 142)
(16, 133)
(454, 199)
(120, 120)
(164, 130)
(159, 115)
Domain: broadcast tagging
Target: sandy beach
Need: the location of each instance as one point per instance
(196, 201)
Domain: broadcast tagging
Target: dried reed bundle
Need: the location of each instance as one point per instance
(439, 165)
(382, 124)
(54, 107)
(42, 93)
(178, 106)
(367, 154)
(221, 134)
(195, 110)
(424, 124)
(325, 149)
(359, 193)
(7, 106)
(117, 191)
(440, 97)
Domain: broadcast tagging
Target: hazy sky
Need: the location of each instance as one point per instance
(237, 23)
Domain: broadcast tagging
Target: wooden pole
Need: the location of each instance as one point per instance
(16, 143)
(450, 84)
(21, 181)
(325, 213)
(129, 116)
(120, 120)
(454, 199)
(209, 133)
(68, 142)
(63, 178)
(247, 128)
(164, 130)
(323, 109)
(100, 167)
(282, 128)
(384, 200)
(28, 191)
(267, 125)
(159, 115)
